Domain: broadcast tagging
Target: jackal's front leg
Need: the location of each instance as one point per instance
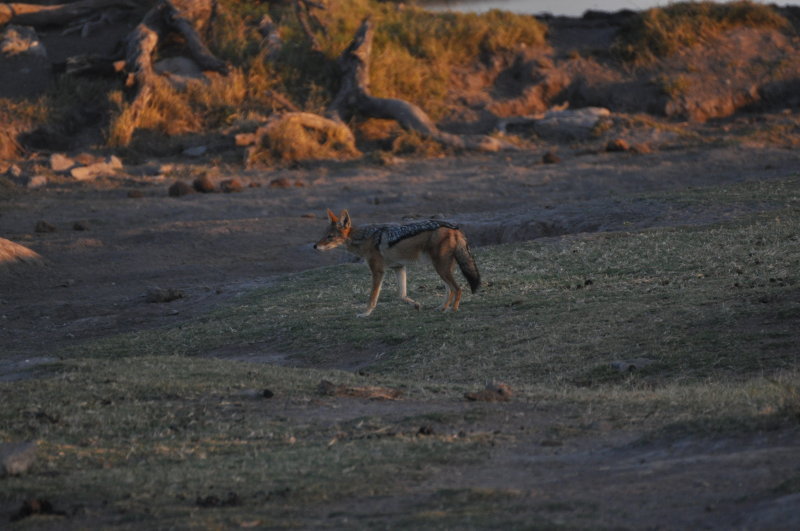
(402, 288)
(377, 281)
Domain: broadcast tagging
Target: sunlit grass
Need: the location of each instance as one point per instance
(662, 31)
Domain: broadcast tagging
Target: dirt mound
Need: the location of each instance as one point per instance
(741, 69)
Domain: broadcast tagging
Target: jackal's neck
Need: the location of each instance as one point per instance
(363, 237)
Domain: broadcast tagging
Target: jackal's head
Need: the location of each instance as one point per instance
(338, 231)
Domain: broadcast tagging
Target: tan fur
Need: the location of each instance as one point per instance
(445, 246)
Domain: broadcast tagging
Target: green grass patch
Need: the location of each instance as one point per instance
(147, 430)
(169, 441)
(704, 302)
(662, 31)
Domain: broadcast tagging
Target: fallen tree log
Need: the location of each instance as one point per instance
(354, 97)
(185, 17)
(56, 15)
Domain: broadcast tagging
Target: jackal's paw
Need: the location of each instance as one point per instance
(365, 314)
(443, 309)
(417, 306)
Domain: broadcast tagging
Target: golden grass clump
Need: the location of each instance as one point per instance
(662, 31)
(414, 56)
(295, 137)
(11, 253)
(167, 111)
(415, 51)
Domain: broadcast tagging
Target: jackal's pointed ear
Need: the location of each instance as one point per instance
(332, 216)
(344, 219)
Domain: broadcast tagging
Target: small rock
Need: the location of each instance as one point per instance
(179, 189)
(37, 181)
(115, 162)
(245, 139)
(14, 171)
(231, 185)
(631, 365)
(86, 159)
(80, 225)
(551, 158)
(196, 151)
(163, 295)
(494, 392)
(281, 182)
(60, 162)
(232, 500)
(203, 184)
(571, 123)
(17, 458)
(43, 226)
(106, 168)
(33, 507)
(617, 145)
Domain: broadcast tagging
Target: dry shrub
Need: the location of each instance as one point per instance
(11, 252)
(376, 132)
(412, 143)
(167, 111)
(17, 116)
(9, 147)
(659, 32)
(294, 137)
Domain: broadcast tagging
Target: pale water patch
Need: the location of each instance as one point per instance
(571, 8)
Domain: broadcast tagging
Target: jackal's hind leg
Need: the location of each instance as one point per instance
(402, 287)
(453, 290)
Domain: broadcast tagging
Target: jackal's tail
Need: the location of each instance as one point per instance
(466, 262)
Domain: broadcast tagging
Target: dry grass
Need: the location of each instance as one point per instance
(294, 137)
(660, 32)
(414, 57)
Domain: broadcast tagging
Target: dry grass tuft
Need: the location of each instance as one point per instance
(11, 253)
(414, 144)
(295, 137)
(660, 32)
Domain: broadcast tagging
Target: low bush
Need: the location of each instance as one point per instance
(662, 31)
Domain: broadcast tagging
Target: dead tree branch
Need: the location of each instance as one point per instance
(354, 97)
(55, 15)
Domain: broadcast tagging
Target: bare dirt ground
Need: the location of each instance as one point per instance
(211, 247)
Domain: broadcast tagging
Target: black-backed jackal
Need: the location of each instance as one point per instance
(395, 246)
